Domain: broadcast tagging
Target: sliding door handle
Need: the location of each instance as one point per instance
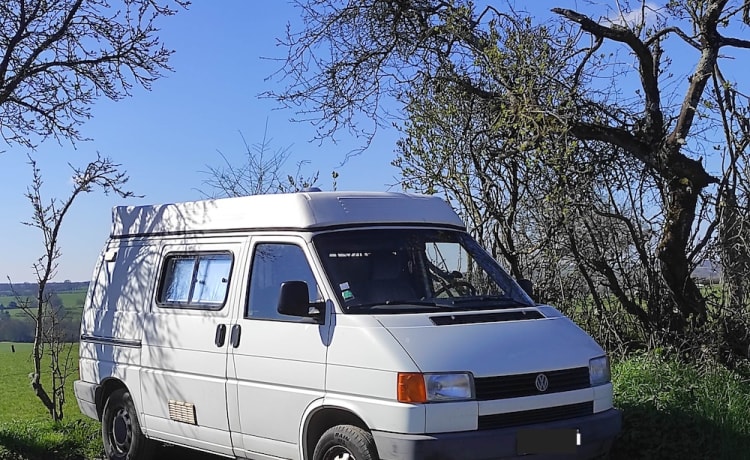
(221, 335)
(235, 337)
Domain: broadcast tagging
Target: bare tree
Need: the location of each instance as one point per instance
(655, 136)
(57, 56)
(732, 206)
(47, 217)
(351, 54)
(490, 162)
(262, 171)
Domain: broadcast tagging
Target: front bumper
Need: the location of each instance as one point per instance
(597, 433)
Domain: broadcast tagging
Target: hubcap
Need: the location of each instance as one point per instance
(338, 453)
(121, 431)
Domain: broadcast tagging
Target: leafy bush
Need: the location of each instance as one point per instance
(676, 411)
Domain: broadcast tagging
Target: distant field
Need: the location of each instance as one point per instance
(18, 401)
(73, 302)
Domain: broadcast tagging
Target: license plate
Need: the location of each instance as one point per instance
(562, 441)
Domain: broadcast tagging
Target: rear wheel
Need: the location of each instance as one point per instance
(121, 431)
(345, 442)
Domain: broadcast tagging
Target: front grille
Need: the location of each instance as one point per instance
(527, 417)
(516, 386)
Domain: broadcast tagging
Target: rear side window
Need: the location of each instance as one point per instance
(199, 280)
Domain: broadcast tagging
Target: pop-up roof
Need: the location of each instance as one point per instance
(304, 210)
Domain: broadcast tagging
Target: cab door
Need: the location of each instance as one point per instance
(276, 366)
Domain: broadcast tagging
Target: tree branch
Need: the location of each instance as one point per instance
(710, 43)
(676, 30)
(646, 61)
(734, 42)
(619, 137)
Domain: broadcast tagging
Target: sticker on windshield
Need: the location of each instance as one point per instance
(346, 293)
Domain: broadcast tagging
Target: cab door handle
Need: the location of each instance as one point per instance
(235, 336)
(221, 335)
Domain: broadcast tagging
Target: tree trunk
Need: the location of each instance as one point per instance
(734, 258)
(672, 253)
(36, 383)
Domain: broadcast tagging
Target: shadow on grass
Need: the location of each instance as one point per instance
(12, 448)
(69, 440)
(651, 433)
(41, 440)
(26, 452)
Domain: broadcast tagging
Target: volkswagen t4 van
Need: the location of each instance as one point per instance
(329, 326)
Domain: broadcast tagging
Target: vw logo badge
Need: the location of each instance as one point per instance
(542, 382)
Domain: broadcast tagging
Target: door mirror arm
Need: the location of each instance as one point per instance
(316, 311)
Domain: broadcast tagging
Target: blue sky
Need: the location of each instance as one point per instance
(165, 137)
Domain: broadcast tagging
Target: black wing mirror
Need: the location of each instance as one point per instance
(294, 300)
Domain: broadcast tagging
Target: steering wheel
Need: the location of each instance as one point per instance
(460, 288)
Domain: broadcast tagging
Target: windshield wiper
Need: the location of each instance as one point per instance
(398, 305)
(389, 302)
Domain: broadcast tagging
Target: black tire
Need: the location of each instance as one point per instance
(121, 431)
(345, 442)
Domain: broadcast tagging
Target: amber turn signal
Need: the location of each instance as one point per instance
(411, 387)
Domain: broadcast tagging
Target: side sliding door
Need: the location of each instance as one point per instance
(185, 344)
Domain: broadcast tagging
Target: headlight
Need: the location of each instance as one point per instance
(420, 388)
(599, 371)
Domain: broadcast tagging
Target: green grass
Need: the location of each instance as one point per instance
(18, 400)
(73, 299)
(37, 439)
(677, 411)
(26, 429)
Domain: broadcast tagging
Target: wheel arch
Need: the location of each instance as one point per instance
(320, 420)
(106, 388)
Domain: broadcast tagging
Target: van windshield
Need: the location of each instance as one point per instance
(414, 270)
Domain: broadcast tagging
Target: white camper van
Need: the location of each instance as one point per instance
(329, 326)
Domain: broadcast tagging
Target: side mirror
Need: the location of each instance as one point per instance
(294, 300)
(528, 287)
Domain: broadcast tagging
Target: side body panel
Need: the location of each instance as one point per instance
(113, 315)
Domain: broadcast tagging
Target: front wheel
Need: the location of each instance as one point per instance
(121, 432)
(345, 442)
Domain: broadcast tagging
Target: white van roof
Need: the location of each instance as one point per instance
(303, 210)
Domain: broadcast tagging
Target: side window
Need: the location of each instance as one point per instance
(199, 280)
(273, 264)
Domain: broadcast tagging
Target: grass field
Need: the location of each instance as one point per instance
(674, 411)
(26, 429)
(18, 401)
(670, 411)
